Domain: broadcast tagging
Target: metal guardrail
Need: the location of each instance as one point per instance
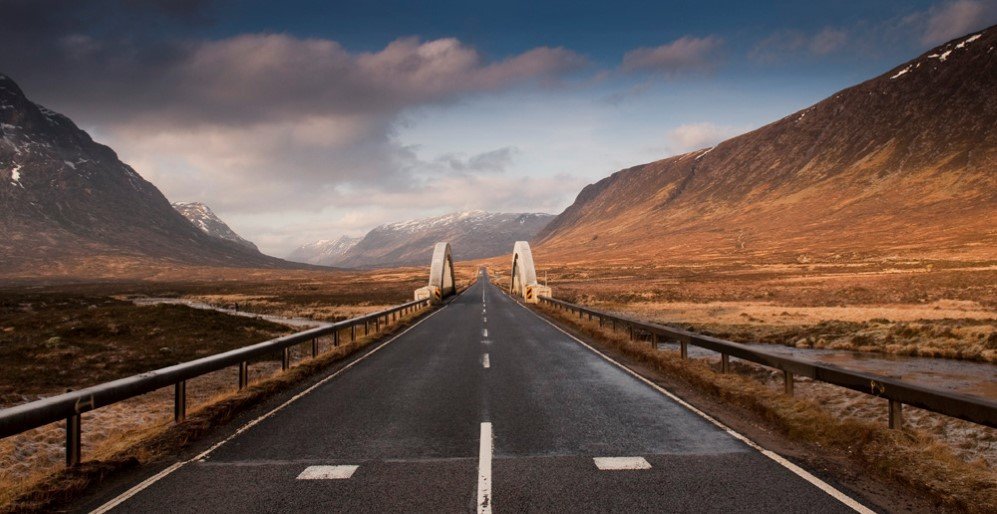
(70, 406)
(969, 408)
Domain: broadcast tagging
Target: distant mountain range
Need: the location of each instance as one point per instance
(903, 164)
(325, 252)
(472, 235)
(65, 198)
(205, 219)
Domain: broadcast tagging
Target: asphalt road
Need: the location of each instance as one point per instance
(415, 417)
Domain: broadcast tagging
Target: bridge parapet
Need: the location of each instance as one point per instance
(524, 274)
(441, 276)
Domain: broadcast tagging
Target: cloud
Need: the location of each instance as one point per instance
(269, 126)
(693, 136)
(827, 40)
(495, 161)
(791, 44)
(686, 54)
(953, 19)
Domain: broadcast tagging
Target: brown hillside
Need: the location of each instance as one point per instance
(901, 165)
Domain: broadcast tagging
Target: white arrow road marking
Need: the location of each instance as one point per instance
(620, 463)
(327, 472)
(485, 470)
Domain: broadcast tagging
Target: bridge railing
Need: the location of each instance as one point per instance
(898, 393)
(70, 406)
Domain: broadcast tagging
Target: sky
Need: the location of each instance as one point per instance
(300, 121)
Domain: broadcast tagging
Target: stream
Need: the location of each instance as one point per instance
(964, 377)
(291, 322)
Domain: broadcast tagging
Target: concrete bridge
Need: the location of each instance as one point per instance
(441, 276)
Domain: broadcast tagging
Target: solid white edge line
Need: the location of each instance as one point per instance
(162, 474)
(802, 473)
(485, 470)
(136, 489)
(485, 362)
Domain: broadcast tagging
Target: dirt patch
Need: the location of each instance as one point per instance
(50, 342)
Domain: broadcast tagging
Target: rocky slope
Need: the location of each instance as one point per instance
(904, 164)
(66, 201)
(205, 219)
(472, 235)
(324, 252)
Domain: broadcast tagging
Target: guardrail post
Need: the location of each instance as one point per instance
(335, 338)
(896, 414)
(366, 327)
(614, 325)
(377, 324)
(73, 436)
(314, 347)
(285, 358)
(724, 363)
(630, 332)
(243, 375)
(787, 378)
(654, 341)
(353, 333)
(180, 401)
(684, 349)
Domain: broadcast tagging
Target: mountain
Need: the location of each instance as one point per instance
(472, 235)
(323, 253)
(205, 219)
(67, 202)
(903, 164)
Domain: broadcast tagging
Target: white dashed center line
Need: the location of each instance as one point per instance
(484, 332)
(485, 470)
(485, 362)
(621, 463)
(327, 472)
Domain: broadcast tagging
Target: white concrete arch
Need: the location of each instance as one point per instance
(441, 275)
(441, 272)
(524, 274)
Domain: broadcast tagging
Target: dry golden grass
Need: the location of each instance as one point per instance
(910, 456)
(130, 442)
(961, 330)
(927, 308)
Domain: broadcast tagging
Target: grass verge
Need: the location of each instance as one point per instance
(909, 457)
(47, 491)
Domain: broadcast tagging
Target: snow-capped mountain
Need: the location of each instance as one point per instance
(325, 252)
(205, 219)
(472, 234)
(68, 203)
